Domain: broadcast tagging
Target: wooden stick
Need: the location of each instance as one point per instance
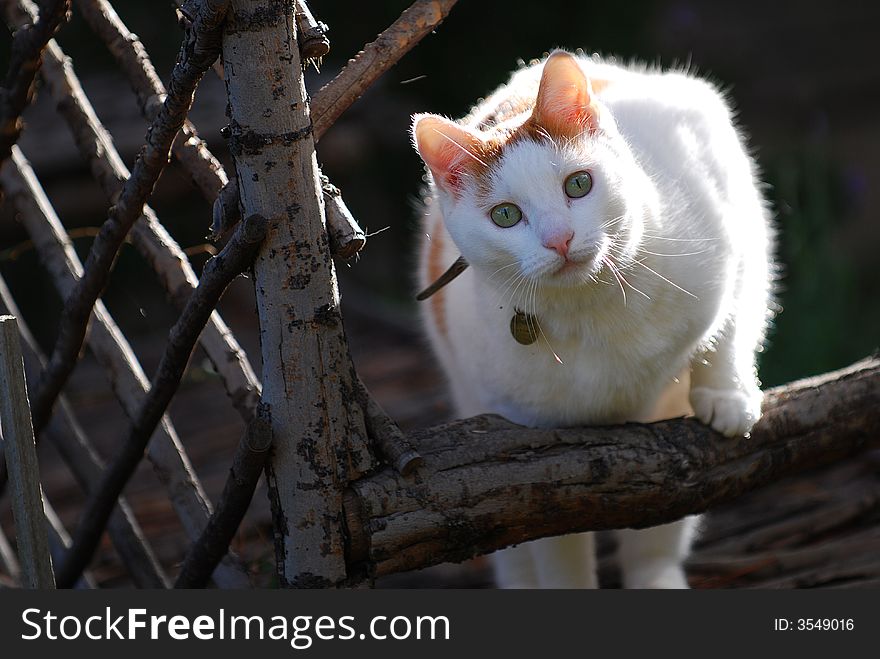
(376, 58)
(345, 235)
(247, 465)
(237, 255)
(134, 62)
(65, 433)
(202, 46)
(312, 34)
(24, 62)
(391, 443)
(487, 483)
(115, 355)
(21, 456)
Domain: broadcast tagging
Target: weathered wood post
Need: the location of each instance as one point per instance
(21, 456)
(308, 379)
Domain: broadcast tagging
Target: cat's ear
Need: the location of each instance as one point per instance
(446, 147)
(565, 104)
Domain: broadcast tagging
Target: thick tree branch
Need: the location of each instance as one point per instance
(24, 62)
(487, 483)
(376, 58)
(307, 375)
(237, 255)
(198, 51)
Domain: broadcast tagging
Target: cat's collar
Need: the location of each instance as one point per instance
(454, 271)
(523, 326)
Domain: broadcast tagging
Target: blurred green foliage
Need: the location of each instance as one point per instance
(830, 314)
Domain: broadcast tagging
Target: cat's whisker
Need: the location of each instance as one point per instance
(466, 152)
(647, 251)
(640, 292)
(513, 280)
(525, 280)
(653, 236)
(668, 281)
(543, 133)
(541, 329)
(612, 222)
(607, 261)
(503, 267)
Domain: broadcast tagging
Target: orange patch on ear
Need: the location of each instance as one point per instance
(435, 269)
(448, 149)
(565, 104)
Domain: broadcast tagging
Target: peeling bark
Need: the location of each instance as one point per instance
(487, 483)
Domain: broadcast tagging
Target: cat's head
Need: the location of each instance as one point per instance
(548, 191)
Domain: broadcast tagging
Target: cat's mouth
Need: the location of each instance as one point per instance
(576, 266)
(567, 267)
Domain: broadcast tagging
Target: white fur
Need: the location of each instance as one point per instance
(676, 192)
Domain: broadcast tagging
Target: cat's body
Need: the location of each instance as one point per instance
(650, 291)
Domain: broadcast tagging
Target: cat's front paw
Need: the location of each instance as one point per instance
(732, 412)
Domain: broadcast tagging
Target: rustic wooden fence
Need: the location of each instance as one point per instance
(352, 497)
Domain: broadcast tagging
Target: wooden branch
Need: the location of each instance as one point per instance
(24, 62)
(376, 58)
(312, 34)
(391, 443)
(198, 51)
(247, 465)
(345, 235)
(21, 456)
(115, 356)
(487, 483)
(308, 378)
(65, 433)
(132, 58)
(226, 211)
(237, 255)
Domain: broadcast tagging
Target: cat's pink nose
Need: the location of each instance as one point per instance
(559, 241)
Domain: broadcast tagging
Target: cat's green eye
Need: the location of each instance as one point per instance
(505, 215)
(578, 185)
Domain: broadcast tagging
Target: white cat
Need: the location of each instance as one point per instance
(619, 253)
